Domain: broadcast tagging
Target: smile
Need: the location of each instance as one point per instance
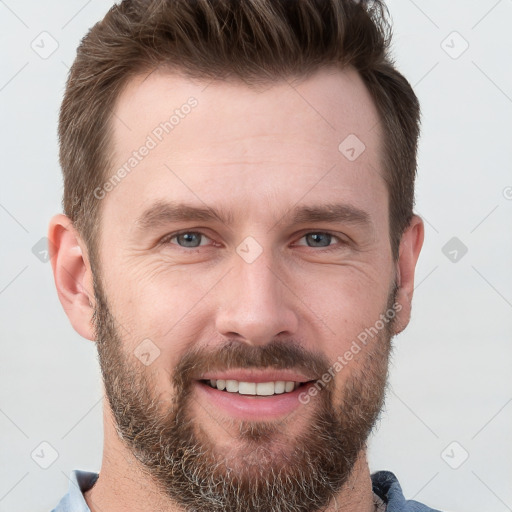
(250, 394)
(254, 388)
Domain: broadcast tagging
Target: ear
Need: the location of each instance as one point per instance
(72, 274)
(409, 251)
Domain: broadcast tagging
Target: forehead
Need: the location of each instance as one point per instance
(332, 100)
(223, 141)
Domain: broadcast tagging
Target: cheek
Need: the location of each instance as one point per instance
(158, 303)
(347, 299)
(351, 307)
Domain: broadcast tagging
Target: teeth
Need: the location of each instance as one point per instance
(253, 388)
(232, 386)
(279, 387)
(247, 388)
(289, 386)
(265, 388)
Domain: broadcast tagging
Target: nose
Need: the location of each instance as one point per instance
(256, 304)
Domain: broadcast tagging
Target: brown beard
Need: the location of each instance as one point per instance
(258, 474)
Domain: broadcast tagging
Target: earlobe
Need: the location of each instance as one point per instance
(410, 248)
(72, 274)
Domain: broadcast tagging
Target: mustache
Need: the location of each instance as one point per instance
(277, 354)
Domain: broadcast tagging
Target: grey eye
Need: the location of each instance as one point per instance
(189, 239)
(318, 239)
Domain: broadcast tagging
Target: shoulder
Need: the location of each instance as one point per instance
(385, 484)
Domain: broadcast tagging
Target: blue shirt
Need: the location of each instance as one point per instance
(385, 486)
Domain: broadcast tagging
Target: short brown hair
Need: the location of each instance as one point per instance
(258, 41)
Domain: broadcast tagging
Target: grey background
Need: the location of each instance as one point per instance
(451, 368)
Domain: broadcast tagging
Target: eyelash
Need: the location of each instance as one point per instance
(167, 240)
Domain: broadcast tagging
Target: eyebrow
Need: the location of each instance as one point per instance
(331, 212)
(163, 213)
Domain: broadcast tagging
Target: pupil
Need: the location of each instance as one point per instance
(189, 239)
(320, 239)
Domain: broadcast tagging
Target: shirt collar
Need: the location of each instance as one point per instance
(74, 500)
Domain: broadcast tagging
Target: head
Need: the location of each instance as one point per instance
(238, 191)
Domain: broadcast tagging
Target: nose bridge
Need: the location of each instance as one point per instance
(258, 280)
(254, 302)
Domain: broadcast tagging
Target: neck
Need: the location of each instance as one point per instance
(122, 485)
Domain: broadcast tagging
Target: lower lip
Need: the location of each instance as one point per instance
(249, 407)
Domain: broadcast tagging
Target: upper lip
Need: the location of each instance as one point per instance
(253, 375)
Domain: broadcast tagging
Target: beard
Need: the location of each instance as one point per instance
(263, 469)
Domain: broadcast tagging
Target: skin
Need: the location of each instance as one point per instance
(181, 298)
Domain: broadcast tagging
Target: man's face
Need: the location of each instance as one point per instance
(270, 288)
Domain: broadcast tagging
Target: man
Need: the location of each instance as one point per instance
(240, 242)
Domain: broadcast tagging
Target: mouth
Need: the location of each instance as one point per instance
(269, 388)
(252, 395)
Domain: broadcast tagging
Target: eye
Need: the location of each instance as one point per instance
(188, 239)
(320, 239)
